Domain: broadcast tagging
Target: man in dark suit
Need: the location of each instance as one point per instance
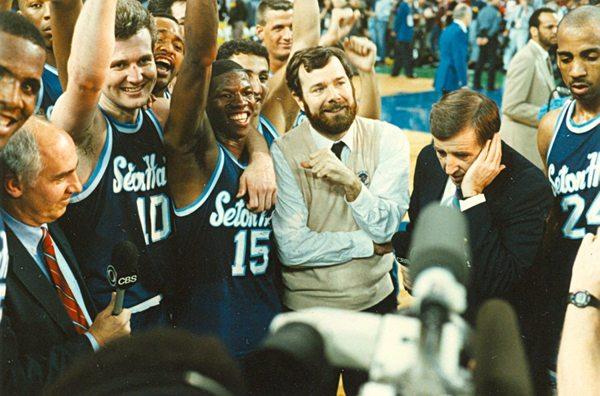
(451, 74)
(504, 197)
(50, 317)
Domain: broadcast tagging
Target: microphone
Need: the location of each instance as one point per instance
(122, 273)
(438, 256)
(501, 367)
(400, 243)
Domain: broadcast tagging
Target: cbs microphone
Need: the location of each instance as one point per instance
(122, 273)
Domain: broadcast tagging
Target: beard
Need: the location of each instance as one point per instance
(332, 125)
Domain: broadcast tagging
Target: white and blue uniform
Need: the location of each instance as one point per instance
(227, 278)
(125, 198)
(50, 91)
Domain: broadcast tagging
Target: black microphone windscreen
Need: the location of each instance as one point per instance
(501, 367)
(400, 243)
(440, 240)
(123, 270)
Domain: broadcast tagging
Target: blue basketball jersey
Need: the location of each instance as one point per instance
(50, 91)
(574, 172)
(125, 198)
(226, 282)
(267, 130)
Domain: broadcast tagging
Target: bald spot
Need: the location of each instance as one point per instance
(50, 139)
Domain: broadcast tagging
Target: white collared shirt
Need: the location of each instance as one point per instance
(464, 204)
(461, 25)
(378, 209)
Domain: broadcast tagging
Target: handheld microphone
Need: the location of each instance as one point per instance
(438, 257)
(501, 367)
(122, 273)
(400, 243)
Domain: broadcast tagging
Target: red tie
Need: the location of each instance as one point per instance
(62, 287)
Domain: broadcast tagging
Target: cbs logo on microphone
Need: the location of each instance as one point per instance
(115, 280)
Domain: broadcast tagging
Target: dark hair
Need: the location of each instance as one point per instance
(17, 25)
(223, 66)
(461, 109)
(161, 361)
(166, 16)
(131, 18)
(534, 20)
(312, 58)
(265, 5)
(160, 7)
(248, 47)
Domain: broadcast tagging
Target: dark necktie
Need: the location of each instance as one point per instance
(62, 287)
(337, 149)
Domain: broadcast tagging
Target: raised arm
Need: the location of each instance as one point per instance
(63, 17)
(5, 5)
(361, 53)
(192, 150)
(76, 110)
(279, 106)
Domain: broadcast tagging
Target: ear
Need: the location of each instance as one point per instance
(299, 102)
(533, 32)
(260, 32)
(13, 186)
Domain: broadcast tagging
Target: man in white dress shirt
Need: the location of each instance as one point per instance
(342, 192)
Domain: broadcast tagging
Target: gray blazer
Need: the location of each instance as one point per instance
(527, 87)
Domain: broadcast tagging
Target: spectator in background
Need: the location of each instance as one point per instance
(274, 29)
(403, 32)
(488, 27)
(452, 71)
(518, 30)
(381, 19)
(238, 14)
(528, 86)
(176, 8)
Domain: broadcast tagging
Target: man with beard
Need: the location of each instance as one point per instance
(569, 144)
(38, 13)
(343, 190)
(225, 282)
(528, 86)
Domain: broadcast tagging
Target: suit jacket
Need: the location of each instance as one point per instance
(403, 23)
(451, 74)
(505, 232)
(38, 338)
(527, 87)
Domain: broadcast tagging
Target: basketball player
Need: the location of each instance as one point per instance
(569, 143)
(225, 280)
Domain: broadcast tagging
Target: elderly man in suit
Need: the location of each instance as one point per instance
(504, 198)
(452, 71)
(49, 311)
(528, 86)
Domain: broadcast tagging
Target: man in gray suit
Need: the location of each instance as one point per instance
(528, 86)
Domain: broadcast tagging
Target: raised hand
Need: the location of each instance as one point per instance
(361, 53)
(484, 169)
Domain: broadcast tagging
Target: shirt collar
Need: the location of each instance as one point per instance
(461, 25)
(322, 142)
(29, 236)
(540, 49)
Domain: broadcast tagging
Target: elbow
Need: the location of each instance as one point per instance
(89, 81)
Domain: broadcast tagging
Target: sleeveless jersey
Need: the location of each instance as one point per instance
(125, 198)
(3, 264)
(574, 172)
(267, 130)
(227, 282)
(49, 92)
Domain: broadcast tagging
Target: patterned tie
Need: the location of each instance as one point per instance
(337, 149)
(62, 287)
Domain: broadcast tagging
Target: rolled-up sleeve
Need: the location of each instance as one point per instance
(300, 246)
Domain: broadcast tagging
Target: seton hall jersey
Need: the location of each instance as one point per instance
(267, 130)
(574, 172)
(125, 198)
(227, 283)
(50, 91)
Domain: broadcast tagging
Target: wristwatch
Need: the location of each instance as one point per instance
(582, 299)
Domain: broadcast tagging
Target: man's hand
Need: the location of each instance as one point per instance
(382, 248)
(484, 169)
(481, 41)
(325, 165)
(586, 270)
(342, 21)
(361, 53)
(258, 181)
(108, 327)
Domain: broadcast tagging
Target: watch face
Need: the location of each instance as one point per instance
(581, 299)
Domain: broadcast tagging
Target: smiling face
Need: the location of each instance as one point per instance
(257, 69)
(276, 34)
(168, 51)
(328, 98)
(21, 68)
(132, 72)
(457, 153)
(579, 60)
(231, 104)
(38, 13)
